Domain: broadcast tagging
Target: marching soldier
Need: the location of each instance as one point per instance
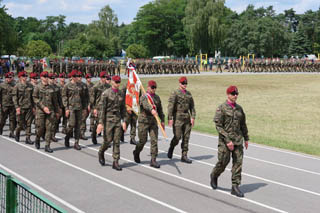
(6, 104)
(150, 106)
(33, 79)
(23, 102)
(181, 115)
(230, 121)
(85, 108)
(111, 112)
(61, 84)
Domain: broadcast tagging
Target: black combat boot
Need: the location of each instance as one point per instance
(236, 191)
(48, 149)
(17, 137)
(28, 140)
(66, 140)
(94, 138)
(133, 141)
(11, 135)
(136, 156)
(170, 152)
(154, 163)
(122, 137)
(37, 144)
(76, 146)
(101, 158)
(116, 165)
(1, 131)
(185, 159)
(214, 182)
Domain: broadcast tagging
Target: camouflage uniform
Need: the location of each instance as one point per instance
(181, 109)
(7, 107)
(22, 98)
(44, 96)
(85, 112)
(231, 126)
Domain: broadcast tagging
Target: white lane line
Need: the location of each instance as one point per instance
(260, 146)
(99, 177)
(39, 188)
(249, 175)
(264, 161)
(191, 181)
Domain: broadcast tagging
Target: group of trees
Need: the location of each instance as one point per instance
(167, 27)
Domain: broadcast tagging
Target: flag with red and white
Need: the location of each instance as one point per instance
(133, 89)
(44, 63)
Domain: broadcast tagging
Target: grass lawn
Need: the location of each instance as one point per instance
(282, 110)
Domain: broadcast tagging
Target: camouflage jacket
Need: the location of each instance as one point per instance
(22, 96)
(73, 96)
(111, 107)
(231, 124)
(45, 96)
(145, 115)
(96, 92)
(85, 97)
(6, 90)
(181, 106)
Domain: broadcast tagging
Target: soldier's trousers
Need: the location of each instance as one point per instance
(92, 119)
(143, 130)
(64, 119)
(132, 122)
(84, 116)
(11, 112)
(112, 133)
(25, 120)
(45, 125)
(74, 123)
(181, 129)
(224, 159)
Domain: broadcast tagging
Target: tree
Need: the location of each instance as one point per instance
(299, 45)
(38, 49)
(136, 51)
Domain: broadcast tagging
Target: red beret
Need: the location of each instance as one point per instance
(52, 75)
(9, 74)
(88, 75)
(152, 83)
(33, 75)
(44, 74)
(73, 73)
(69, 75)
(22, 74)
(103, 74)
(182, 79)
(79, 74)
(116, 78)
(232, 89)
(62, 75)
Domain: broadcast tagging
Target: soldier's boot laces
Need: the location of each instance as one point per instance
(101, 158)
(236, 191)
(37, 143)
(154, 163)
(11, 135)
(76, 146)
(28, 140)
(185, 159)
(214, 182)
(66, 140)
(136, 156)
(116, 165)
(170, 152)
(17, 137)
(94, 138)
(133, 141)
(48, 149)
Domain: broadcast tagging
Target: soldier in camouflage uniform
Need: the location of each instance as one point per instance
(89, 112)
(61, 84)
(95, 97)
(181, 115)
(24, 105)
(150, 106)
(86, 107)
(74, 103)
(6, 104)
(111, 111)
(46, 103)
(230, 121)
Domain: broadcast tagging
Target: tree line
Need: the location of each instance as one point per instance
(166, 27)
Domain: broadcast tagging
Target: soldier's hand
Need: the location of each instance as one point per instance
(95, 113)
(34, 111)
(129, 111)
(89, 109)
(18, 111)
(154, 112)
(99, 128)
(46, 110)
(230, 146)
(170, 123)
(246, 144)
(192, 122)
(57, 115)
(67, 113)
(124, 126)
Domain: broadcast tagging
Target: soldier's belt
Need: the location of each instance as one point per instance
(183, 111)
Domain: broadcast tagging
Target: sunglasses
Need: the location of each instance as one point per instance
(234, 93)
(184, 83)
(45, 76)
(117, 82)
(9, 77)
(153, 87)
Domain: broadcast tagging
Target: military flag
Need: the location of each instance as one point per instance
(133, 89)
(44, 63)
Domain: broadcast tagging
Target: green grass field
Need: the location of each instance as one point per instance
(282, 110)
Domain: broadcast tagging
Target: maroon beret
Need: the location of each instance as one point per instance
(116, 78)
(44, 74)
(152, 83)
(8, 75)
(232, 89)
(79, 74)
(88, 75)
(62, 75)
(183, 79)
(22, 74)
(33, 75)
(103, 74)
(73, 73)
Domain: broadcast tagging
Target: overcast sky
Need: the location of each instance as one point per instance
(84, 11)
